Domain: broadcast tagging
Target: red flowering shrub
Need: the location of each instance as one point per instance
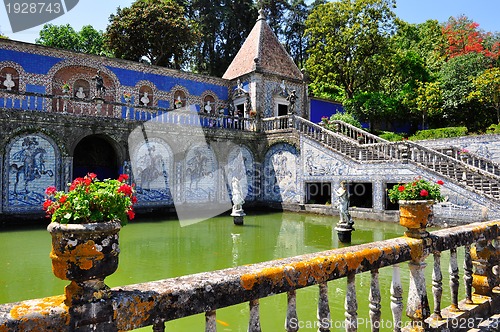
(91, 200)
(419, 189)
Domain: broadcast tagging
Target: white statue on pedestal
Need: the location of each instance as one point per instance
(145, 99)
(237, 198)
(80, 94)
(9, 83)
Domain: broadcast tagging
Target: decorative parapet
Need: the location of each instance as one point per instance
(154, 303)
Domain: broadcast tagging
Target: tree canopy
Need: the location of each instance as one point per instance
(155, 30)
(87, 40)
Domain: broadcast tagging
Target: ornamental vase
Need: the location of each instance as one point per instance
(414, 215)
(82, 252)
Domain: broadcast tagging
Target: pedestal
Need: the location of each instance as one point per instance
(238, 216)
(344, 233)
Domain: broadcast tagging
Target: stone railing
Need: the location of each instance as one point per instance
(472, 159)
(449, 167)
(155, 303)
(67, 104)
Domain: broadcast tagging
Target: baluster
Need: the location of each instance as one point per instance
(351, 305)
(254, 322)
(210, 321)
(417, 308)
(323, 309)
(483, 256)
(453, 269)
(437, 286)
(468, 275)
(291, 323)
(396, 298)
(374, 299)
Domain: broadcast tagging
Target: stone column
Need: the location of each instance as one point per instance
(484, 258)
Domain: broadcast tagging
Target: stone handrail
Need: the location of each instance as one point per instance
(356, 133)
(472, 159)
(67, 104)
(154, 303)
(462, 173)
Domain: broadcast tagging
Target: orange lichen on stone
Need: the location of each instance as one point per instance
(319, 269)
(83, 256)
(416, 248)
(41, 307)
(137, 311)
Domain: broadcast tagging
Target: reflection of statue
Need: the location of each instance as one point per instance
(237, 196)
(80, 94)
(9, 83)
(343, 205)
(145, 99)
(99, 84)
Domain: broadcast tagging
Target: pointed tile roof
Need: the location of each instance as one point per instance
(263, 52)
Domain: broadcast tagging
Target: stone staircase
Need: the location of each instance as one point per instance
(472, 172)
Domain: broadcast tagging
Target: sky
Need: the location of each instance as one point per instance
(96, 13)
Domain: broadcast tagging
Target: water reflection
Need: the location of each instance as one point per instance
(153, 249)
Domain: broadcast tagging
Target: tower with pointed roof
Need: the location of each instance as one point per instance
(264, 77)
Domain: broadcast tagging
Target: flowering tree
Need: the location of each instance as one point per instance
(464, 36)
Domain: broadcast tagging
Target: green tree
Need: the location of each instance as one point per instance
(87, 40)
(153, 29)
(456, 77)
(486, 89)
(348, 43)
(295, 41)
(428, 101)
(223, 27)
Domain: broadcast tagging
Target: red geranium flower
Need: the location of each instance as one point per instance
(424, 193)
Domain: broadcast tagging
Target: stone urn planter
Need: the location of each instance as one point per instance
(85, 254)
(415, 215)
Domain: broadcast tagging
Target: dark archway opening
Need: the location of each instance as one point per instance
(388, 204)
(318, 193)
(360, 194)
(95, 154)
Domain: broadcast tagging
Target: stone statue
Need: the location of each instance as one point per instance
(9, 83)
(237, 196)
(343, 205)
(99, 84)
(292, 98)
(80, 94)
(145, 98)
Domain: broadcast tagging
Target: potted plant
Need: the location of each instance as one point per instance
(85, 221)
(415, 200)
(66, 88)
(127, 97)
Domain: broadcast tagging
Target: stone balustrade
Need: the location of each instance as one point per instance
(155, 303)
(98, 107)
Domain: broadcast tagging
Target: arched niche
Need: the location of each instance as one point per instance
(9, 79)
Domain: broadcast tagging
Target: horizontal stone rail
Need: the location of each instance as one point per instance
(154, 303)
(66, 104)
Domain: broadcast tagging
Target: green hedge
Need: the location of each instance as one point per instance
(493, 129)
(390, 136)
(439, 133)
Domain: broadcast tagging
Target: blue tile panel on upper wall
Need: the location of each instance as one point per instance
(166, 83)
(31, 63)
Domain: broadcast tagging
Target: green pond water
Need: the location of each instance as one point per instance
(158, 249)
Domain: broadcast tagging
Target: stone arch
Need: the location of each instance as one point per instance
(201, 174)
(85, 69)
(32, 162)
(281, 170)
(153, 171)
(17, 74)
(146, 87)
(215, 104)
(241, 164)
(180, 97)
(98, 154)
